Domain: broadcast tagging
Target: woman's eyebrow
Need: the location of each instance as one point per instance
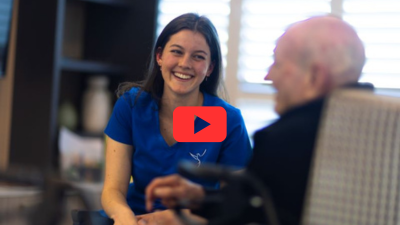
(175, 45)
(201, 51)
(197, 51)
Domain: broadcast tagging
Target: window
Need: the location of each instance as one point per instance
(377, 23)
(263, 21)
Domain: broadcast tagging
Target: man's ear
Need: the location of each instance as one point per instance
(320, 79)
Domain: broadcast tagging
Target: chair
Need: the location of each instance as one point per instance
(84, 217)
(355, 174)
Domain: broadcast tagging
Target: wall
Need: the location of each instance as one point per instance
(6, 89)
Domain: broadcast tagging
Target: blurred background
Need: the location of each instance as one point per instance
(62, 60)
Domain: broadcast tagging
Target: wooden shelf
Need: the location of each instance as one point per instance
(86, 66)
(111, 2)
(88, 37)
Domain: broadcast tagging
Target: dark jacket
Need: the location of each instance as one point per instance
(282, 157)
(281, 160)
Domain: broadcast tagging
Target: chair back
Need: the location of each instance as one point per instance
(355, 173)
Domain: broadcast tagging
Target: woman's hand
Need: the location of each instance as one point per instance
(166, 217)
(171, 190)
(125, 218)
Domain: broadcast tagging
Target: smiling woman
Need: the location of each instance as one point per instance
(184, 70)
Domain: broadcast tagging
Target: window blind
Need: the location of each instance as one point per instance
(263, 21)
(378, 25)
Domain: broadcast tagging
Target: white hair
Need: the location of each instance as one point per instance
(334, 44)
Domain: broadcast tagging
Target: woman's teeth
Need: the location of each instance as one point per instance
(182, 76)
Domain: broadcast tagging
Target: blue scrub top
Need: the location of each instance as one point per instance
(136, 122)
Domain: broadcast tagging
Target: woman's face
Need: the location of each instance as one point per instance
(185, 61)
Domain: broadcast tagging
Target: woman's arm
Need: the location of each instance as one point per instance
(116, 182)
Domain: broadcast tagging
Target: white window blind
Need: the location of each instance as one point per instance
(263, 21)
(216, 10)
(378, 25)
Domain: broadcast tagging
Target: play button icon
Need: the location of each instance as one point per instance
(200, 124)
(209, 125)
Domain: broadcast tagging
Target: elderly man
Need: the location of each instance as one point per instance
(311, 59)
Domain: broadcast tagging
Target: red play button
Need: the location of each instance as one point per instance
(211, 124)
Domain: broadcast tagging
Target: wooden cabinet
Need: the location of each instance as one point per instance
(60, 43)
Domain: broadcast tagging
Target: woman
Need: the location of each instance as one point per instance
(185, 70)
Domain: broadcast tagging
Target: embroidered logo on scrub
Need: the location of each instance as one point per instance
(197, 156)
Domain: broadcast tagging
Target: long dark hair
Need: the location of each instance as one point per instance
(154, 83)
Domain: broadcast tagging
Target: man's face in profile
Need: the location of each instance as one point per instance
(287, 76)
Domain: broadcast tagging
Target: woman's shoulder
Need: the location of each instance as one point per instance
(135, 95)
(135, 91)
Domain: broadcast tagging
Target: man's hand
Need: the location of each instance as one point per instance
(171, 190)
